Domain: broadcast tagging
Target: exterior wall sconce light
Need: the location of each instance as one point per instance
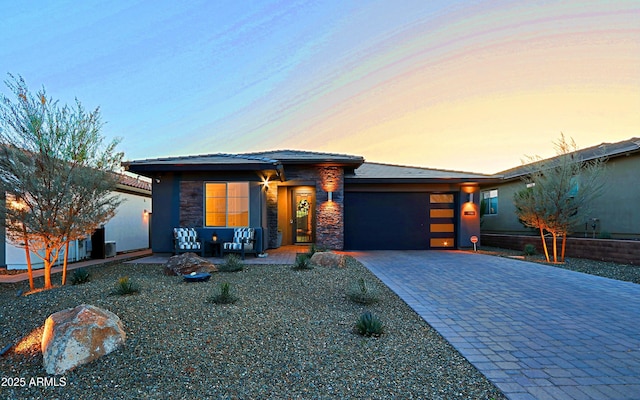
(330, 196)
(214, 238)
(470, 198)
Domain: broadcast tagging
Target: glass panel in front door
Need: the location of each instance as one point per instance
(303, 221)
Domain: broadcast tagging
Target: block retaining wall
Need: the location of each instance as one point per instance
(619, 251)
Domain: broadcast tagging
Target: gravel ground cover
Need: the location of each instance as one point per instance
(290, 335)
(621, 272)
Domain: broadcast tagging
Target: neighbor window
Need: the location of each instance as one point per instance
(490, 198)
(227, 204)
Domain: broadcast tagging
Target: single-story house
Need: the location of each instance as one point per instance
(614, 214)
(299, 197)
(127, 231)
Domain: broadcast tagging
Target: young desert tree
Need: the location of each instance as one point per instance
(531, 212)
(559, 193)
(56, 171)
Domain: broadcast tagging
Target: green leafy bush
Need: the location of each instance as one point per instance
(79, 276)
(363, 292)
(303, 261)
(369, 325)
(125, 286)
(529, 249)
(232, 263)
(222, 294)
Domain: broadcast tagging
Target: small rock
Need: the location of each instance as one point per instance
(184, 264)
(79, 335)
(328, 259)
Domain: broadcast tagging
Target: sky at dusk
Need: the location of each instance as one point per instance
(462, 85)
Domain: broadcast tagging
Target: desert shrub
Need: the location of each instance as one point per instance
(369, 325)
(363, 292)
(314, 248)
(303, 261)
(222, 294)
(529, 249)
(604, 235)
(125, 286)
(79, 276)
(232, 263)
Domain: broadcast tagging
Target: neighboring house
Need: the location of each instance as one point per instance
(614, 214)
(298, 197)
(127, 231)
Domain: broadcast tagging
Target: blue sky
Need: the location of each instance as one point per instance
(463, 85)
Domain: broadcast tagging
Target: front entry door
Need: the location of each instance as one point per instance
(303, 216)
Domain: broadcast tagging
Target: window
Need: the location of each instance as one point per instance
(490, 199)
(227, 204)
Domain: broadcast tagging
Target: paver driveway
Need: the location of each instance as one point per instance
(537, 332)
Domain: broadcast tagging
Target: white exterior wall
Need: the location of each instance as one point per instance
(129, 228)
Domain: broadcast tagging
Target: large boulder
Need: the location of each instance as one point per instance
(328, 259)
(79, 335)
(184, 264)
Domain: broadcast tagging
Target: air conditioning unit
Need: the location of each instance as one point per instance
(109, 249)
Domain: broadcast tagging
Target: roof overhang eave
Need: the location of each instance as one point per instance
(149, 169)
(360, 180)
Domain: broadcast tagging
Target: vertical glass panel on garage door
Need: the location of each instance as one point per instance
(441, 220)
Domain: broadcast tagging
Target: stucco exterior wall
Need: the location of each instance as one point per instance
(129, 228)
(181, 199)
(615, 211)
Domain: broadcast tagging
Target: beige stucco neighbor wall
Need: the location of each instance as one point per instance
(617, 211)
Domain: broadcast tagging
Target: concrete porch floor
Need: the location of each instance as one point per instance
(282, 255)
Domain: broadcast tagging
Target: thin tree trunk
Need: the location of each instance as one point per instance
(564, 245)
(47, 267)
(28, 255)
(64, 263)
(544, 244)
(554, 237)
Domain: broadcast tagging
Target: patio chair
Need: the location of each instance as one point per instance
(186, 240)
(244, 241)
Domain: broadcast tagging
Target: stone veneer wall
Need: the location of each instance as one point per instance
(329, 216)
(191, 211)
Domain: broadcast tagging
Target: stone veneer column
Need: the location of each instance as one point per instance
(191, 207)
(272, 214)
(330, 214)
